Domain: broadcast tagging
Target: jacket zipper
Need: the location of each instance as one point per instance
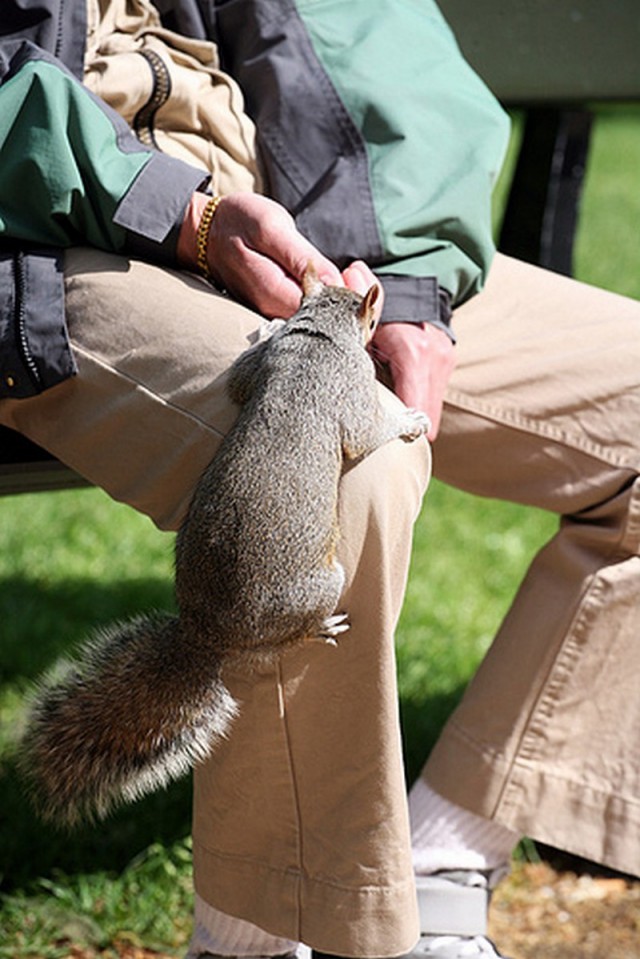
(58, 46)
(19, 319)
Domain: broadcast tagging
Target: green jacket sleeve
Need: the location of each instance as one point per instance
(73, 173)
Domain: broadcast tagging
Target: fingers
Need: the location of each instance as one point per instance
(360, 278)
(421, 359)
(275, 236)
(256, 252)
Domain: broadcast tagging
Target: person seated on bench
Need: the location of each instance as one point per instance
(114, 353)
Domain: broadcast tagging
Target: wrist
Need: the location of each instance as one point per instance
(191, 250)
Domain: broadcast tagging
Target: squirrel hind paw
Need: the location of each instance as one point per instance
(333, 626)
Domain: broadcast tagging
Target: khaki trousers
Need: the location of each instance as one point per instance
(300, 822)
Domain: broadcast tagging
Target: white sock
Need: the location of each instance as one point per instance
(446, 836)
(218, 933)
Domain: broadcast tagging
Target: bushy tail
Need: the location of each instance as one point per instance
(136, 709)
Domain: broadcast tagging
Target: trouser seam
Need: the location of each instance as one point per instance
(295, 799)
(630, 541)
(482, 749)
(522, 755)
(143, 388)
(570, 782)
(589, 599)
(546, 701)
(516, 420)
(389, 888)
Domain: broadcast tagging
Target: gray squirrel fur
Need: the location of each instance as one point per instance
(256, 570)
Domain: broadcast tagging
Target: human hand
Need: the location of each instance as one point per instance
(255, 252)
(421, 359)
(360, 278)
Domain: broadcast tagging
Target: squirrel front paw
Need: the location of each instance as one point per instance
(415, 423)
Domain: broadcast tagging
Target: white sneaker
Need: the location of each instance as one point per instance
(453, 909)
(215, 955)
(456, 903)
(455, 947)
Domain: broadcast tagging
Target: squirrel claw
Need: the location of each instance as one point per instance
(335, 624)
(332, 627)
(418, 423)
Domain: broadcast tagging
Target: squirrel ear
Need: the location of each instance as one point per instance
(366, 313)
(312, 285)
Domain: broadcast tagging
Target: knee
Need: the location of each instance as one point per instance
(611, 526)
(381, 496)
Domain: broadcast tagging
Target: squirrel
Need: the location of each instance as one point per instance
(255, 569)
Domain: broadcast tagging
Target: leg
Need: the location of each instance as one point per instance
(300, 818)
(302, 829)
(545, 409)
(149, 407)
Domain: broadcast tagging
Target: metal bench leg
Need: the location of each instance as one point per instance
(542, 210)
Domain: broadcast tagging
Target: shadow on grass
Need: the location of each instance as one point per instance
(31, 850)
(40, 623)
(421, 724)
(43, 622)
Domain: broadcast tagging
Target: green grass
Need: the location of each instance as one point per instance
(72, 560)
(608, 244)
(148, 904)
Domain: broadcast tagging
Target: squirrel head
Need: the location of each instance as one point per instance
(313, 287)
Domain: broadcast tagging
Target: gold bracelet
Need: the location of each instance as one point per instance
(202, 236)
